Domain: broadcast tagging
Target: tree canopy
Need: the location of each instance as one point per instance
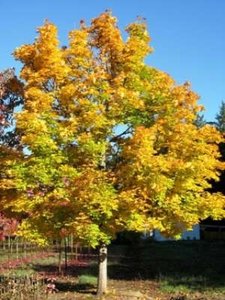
(109, 143)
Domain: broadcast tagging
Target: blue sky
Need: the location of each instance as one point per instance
(188, 37)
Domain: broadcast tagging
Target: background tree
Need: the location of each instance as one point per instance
(8, 227)
(220, 125)
(219, 186)
(11, 91)
(200, 120)
(109, 142)
(220, 118)
(10, 98)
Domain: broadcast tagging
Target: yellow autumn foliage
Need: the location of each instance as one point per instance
(109, 142)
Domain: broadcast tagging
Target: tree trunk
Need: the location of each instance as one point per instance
(102, 275)
(60, 257)
(17, 248)
(66, 253)
(71, 244)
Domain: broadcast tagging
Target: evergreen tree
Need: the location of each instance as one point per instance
(200, 120)
(219, 186)
(220, 118)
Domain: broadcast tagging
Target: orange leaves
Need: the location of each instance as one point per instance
(67, 94)
(78, 55)
(43, 59)
(25, 53)
(47, 33)
(38, 100)
(49, 62)
(136, 48)
(107, 38)
(167, 167)
(142, 144)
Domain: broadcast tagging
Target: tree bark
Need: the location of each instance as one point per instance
(102, 275)
(60, 258)
(66, 253)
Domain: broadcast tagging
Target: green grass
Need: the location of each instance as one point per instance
(20, 272)
(87, 280)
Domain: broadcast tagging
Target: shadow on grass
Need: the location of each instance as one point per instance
(73, 269)
(76, 287)
(196, 266)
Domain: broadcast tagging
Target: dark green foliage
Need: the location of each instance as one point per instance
(200, 120)
(219, 186)
(220, 118)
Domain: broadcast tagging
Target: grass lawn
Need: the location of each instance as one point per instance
(160, 271)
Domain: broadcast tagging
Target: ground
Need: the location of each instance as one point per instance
(141, 270)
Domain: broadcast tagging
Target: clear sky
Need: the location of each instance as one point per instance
(188, 37)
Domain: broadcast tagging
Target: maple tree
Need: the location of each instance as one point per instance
(109, 142)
